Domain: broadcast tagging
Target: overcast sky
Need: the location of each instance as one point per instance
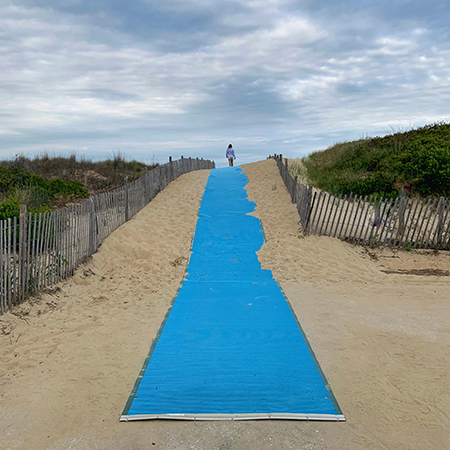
(153, 78)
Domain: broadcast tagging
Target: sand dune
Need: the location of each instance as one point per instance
(69, 359)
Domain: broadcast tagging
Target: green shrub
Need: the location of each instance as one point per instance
(40, 210)
(67, 188)
(53, 181)
(9, 208)
(416, 161)
(23, 188)
(427, 167)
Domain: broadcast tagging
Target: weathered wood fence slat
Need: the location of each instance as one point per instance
(38, 250)
(403, 223)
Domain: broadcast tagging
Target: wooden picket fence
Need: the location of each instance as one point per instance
(403, 222)
(38, 250)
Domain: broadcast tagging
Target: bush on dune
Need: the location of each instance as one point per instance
(18, 187)
(46, 182)
(416, 161)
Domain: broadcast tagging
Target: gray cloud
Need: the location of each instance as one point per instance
(156, 78)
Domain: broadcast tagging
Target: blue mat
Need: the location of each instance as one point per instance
(230, 346)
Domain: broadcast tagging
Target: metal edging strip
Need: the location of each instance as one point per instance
(243, 416)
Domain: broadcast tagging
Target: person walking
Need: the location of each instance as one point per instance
(230, 155)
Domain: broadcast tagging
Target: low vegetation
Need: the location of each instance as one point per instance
(414, 162)
(48, 182)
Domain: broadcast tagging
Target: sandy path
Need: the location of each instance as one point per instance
(68, 361)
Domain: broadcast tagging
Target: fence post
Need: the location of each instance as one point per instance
(145, 180)
(401, 219)
(22, 251)
(91, 227)
(296, 196)
(440, 228)
(310, 207)
(171, 168)
(125, 184)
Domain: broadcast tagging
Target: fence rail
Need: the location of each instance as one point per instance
(370, 220)
(38, 250)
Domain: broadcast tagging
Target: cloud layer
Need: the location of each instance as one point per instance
(182, 77)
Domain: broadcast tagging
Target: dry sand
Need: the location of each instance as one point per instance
(69, 359)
